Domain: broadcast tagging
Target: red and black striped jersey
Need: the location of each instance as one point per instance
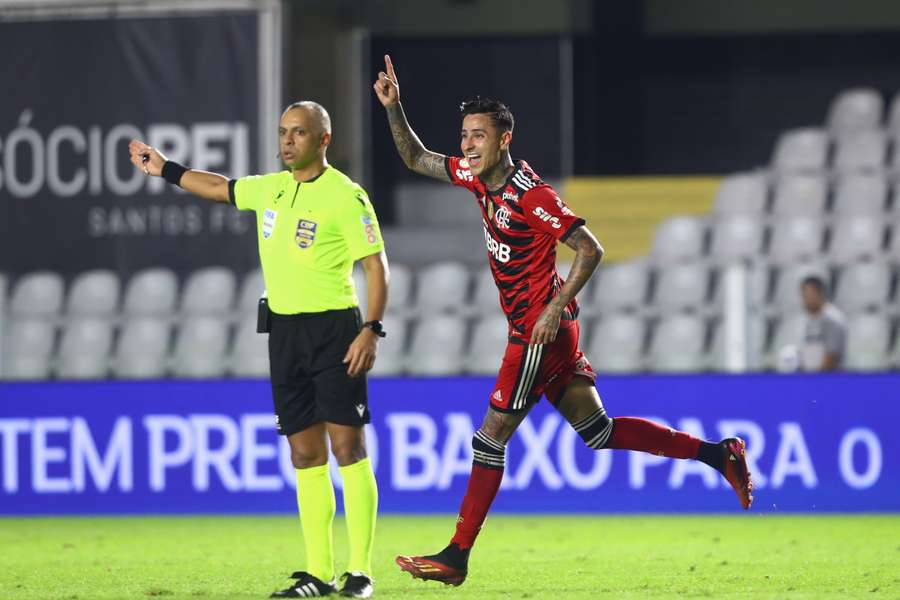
(523, 220)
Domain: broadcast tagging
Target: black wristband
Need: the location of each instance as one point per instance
(172, 172)
(375, 326)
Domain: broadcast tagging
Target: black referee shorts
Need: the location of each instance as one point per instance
(309, 380)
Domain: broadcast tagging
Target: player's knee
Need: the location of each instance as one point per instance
(348, 451)
(595, 429)
(305, 458)
(488, 452)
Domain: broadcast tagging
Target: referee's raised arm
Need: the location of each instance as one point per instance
(414, 154)
(204, 184)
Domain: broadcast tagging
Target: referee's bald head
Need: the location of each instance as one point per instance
(316, 110)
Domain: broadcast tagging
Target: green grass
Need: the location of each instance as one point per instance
(750, 556)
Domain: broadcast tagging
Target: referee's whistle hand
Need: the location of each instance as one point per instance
(360, 357)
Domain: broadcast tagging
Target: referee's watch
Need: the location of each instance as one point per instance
(376, 326)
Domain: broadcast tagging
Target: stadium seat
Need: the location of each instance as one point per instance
(441, 287)
(392, 349)
(868, 335)
(485, 296)
(619, 286)
(679, 238)
(141, 351)
(677, 344)
(85, 348)
(252, 288)
(892, 252)
(757, 345)
(682, 286)
(38, 294)
(249, 356)
(744, 193)
(736, 237)
(855, 110)
(151, 292)
(200, 348)
(208, 291)
(856, 237)
(399, 288)
(893, 120)
(489, 337)
(94, 293)
(801, 150)
(862, 286)
(616, 344)
(437, 345)
(860, 194)
(27, 348)
(800, 195)
(787, 335)
(796, 238)
(786, 293)
(864, 151)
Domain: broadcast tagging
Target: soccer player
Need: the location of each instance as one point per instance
(523, 219)
(313, 223)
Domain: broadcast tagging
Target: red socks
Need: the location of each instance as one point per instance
(632, 433)
(483, 485)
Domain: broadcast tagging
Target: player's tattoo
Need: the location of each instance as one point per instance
(588, 253)
(414, 154)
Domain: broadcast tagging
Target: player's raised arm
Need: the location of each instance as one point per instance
(151, 161)
(414, 154)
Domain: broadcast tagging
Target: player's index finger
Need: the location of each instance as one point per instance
(390, 67)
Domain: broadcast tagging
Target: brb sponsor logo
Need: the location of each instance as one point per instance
(499, 251)
(546, 217)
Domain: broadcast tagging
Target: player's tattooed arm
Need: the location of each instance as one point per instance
(414, 154)
(588, 253)
(412, 151)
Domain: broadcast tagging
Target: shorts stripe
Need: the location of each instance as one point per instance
(527, 376)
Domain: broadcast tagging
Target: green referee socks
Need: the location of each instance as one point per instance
(315, 499)
(361, 506)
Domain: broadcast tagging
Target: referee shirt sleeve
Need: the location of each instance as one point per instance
(246, 193)
(359, 227)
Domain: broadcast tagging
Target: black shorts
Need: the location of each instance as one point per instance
(309, 380)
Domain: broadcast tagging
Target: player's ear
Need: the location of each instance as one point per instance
(505, 140)
(325, 140)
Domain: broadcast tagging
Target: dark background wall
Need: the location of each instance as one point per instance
(656, 87)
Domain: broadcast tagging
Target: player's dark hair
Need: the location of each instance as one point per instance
(500, 115)
(817, 281)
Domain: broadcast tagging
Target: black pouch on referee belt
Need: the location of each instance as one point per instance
(263, 316)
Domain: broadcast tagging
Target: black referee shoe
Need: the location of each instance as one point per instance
(306, 586)
(357, 585)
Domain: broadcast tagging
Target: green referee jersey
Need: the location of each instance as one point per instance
(310, 234)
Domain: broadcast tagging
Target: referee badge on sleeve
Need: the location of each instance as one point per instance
(369, 228)
(306, 233)
(268, 223)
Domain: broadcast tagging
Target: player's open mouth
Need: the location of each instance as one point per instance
(474, 160)
(287, 155)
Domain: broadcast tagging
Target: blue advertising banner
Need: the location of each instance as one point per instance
(816, 444)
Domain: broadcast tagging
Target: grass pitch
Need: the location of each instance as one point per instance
(749, 556)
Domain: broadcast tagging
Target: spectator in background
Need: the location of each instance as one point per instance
(825, 330)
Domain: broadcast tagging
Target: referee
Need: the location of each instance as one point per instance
(313, 223)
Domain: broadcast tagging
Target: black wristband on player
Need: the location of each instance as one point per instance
(375, 326)
(172, 172)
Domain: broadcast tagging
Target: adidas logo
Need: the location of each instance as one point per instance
(732, 457)
(497, 396)
(361, 409)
